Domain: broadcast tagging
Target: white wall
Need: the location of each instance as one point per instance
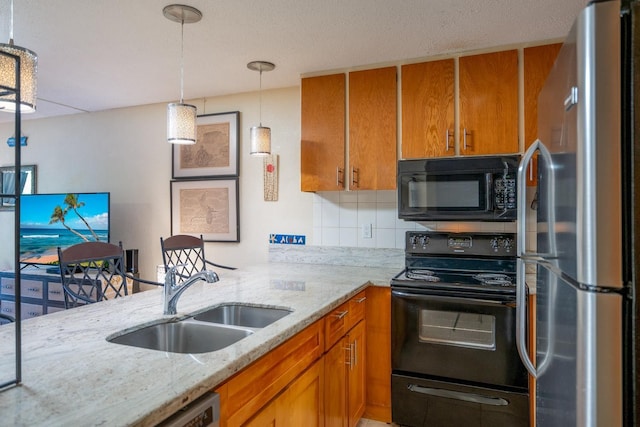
(125, 152)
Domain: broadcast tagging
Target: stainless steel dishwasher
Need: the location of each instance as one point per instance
(202, 412)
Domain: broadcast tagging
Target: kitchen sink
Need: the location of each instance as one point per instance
(183, 337)
(247, 316)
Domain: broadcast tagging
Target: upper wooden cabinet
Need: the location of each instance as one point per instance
(427, 109)
(323, 116)
(538, 62)
(373, 129)
(488, 103)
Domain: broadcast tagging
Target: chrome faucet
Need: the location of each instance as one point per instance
(173, 290)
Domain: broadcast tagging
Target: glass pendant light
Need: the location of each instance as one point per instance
(28, 74)
(260, 136)
(181, 117)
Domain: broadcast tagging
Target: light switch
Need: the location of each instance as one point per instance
(366, 231)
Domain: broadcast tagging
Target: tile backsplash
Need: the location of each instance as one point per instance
(369, 219)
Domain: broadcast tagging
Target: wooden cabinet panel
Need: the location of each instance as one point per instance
(538, 62)
(356, 397)
(357, 309)
(335, 385)
(244, 394)
(372, 129)
(489, 103)
(336, 325)
(378, 354)
(323, 115)
(427, 109)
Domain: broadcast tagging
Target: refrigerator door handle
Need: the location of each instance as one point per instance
(521, 320)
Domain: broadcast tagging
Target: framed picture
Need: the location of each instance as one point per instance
(215, 153)
(7, 183)
(208, 208)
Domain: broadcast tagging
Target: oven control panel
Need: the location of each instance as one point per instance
(440, 243)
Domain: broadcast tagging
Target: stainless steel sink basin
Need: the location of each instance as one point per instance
(183, 337)
(247, 316)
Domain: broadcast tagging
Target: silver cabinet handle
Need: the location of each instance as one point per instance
(361, 300)
(355, 353)
(447, 140)
(464, 138)
(341, 314)
(339, 174)
(349, 360)
(355, 177)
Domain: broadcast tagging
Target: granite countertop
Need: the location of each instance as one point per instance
(72, 376)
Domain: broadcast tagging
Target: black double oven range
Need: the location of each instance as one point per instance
(454, 355)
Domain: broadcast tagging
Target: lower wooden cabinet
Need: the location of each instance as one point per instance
(300, 404)
(356, 374)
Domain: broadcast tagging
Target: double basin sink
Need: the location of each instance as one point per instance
(210, 330)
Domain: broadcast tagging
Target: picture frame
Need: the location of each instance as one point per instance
(216, 151)
(206, 207)
(7, 184)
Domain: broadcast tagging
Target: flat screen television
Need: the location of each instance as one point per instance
(49, 221)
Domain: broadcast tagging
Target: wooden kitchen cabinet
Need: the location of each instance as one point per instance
(378, 354)
(373, 129)
(345, 367)
(488, 100)
(428, 109)
(538, 62)
(323, 117)
(299, 405)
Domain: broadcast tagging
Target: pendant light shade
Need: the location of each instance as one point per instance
(28, 74)
(181, 123)
(181, 117)
(260, 136)
(260, 141)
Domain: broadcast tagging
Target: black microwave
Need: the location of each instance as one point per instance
(470, 188)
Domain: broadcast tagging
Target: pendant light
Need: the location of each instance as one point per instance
(260, 136)
(28, 71)
(181, 117)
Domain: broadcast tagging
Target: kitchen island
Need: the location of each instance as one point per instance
(73, 376)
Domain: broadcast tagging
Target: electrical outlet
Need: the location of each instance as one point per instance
(366, 231)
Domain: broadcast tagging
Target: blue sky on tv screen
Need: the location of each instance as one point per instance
(36, 210)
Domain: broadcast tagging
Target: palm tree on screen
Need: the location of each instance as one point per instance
(72, 202)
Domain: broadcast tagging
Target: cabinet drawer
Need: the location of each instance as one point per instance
(7, 286)
(55, 292)
(336, 325)
(357, 308)
(28, 310)
(31, 288)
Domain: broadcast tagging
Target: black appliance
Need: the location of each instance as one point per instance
(470, 188)
(454, 355)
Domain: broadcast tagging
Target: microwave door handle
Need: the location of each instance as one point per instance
(488, 186)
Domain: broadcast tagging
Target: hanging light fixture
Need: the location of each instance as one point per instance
(260, 136)
(181, 117)
(28, 71)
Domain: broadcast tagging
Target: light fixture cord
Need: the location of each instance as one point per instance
(11, 25)
(181, 61)
(261, 96)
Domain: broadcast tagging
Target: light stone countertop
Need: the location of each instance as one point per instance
(71, 376)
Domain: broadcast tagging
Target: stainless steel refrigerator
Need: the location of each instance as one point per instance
(585, 258)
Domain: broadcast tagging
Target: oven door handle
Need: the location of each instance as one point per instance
(440, 298)
(451, 394)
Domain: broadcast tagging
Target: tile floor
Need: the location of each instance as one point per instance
(371, 423)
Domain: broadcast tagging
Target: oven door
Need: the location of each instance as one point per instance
(466, 339)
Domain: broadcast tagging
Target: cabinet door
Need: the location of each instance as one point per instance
(356, 396)
(378, 353)
(538, 62)
(427, 109)
(265, 418)
(323, 118)
(301, 403)
(335, 385)
(489, 103)
(372, 129)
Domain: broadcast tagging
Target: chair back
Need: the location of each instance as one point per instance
(5, 319)
(185, 251)
(92, 272)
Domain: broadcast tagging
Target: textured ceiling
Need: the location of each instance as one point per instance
(102, 54)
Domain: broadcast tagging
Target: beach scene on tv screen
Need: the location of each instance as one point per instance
(49, 221)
